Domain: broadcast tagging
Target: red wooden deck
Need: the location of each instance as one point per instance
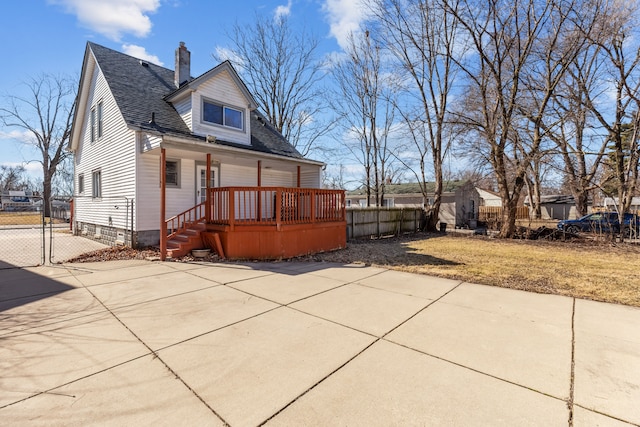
(270, 222)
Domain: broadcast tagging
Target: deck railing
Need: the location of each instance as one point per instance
(275, 205)
(178, 223)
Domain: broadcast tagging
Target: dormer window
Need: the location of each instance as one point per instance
(222, 115)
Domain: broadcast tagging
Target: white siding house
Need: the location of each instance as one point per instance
(130, 113)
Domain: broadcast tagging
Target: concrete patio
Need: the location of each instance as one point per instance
(142, 343)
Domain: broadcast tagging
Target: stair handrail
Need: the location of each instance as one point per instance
(180, 222)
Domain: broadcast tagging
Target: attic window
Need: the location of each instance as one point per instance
(96, 122)
(222, 115)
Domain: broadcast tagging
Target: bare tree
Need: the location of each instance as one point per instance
(422, 35)
(366, 110)
(13, 178)
(521, 49)
(45, 114)
(617, 37)
(579, 146)
(283, 72)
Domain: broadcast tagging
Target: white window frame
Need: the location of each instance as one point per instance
(224, 108)
(178, 173)
(96, 183)
(81, 183)
(92, 124)
(99, 114)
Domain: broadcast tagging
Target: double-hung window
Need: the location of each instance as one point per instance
(218, 114)
(172, 173)
(96, 184)
(81, 183)
(93, 125)
(99, 118)
(96, 122)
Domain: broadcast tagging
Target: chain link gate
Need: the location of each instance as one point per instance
(22, 230)
(68, 238)
(31, 235)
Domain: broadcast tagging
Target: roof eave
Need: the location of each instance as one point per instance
(81, 99)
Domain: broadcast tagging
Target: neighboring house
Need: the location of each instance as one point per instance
(489, 198)
(611, 203)
(554, 206)
(154, 147)
(17, 200)
(459, 207)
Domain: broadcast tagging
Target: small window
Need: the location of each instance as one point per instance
(99, 113)
(96, 188)
(172, 173)
(81, 183)
(222, 115)
(93, 125)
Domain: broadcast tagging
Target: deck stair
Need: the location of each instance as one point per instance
(186, 240)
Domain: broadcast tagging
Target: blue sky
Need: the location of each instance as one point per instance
(49, 36)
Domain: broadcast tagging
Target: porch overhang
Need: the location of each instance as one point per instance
(196, 148)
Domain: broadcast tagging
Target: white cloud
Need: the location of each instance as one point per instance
(113, 18)
(283, 11)
(344, 17)
(225, 54)
(23, 136)
(141, 53)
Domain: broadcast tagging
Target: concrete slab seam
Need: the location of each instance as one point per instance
(218, 329)
(77, 277)
(157, 356)
(595, 411)
(424, 308)
(169, 296)
(377, 339)
(23, 332)
(573, 363)
(460, 365)
(49, 391)
(318, 383)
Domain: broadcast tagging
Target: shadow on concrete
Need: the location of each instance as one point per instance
(19, 286)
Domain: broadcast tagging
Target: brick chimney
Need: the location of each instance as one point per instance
(183, 65)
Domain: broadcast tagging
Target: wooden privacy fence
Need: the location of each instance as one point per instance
(377, 222)
(494, 213)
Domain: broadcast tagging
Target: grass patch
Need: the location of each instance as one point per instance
(25, 218)
(20, 218)
(594, 270)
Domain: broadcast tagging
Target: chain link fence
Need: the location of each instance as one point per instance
(32, 235)
(90, 224)
(22, 223)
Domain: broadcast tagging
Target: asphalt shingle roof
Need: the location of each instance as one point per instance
(412, 188)
(139, 88)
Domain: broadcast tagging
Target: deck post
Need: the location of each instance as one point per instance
(163, 223)
(232, 208)
(259, 193)
(298, 185)
(313, 206)
(207, 206)
(278, 208)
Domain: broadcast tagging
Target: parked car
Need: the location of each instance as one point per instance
(601, 222)
(598, 222)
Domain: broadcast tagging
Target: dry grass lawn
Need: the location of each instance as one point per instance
(582, 268)
(20, 218)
